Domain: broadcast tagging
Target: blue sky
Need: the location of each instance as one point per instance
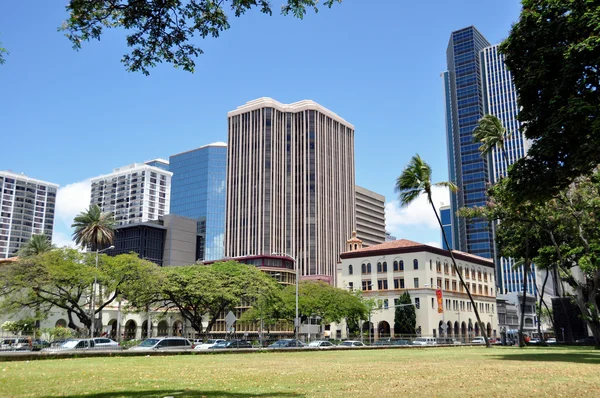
(67, 116)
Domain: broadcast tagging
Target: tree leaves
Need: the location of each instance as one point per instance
(162, 30)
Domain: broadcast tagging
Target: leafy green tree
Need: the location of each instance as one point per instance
(162, 31)
(198, 290)
(37, 244)
(414, 181)
(552, 53)
(3, 51)
(93, 229)
(405, 318)
(57, 333)
(60, 279)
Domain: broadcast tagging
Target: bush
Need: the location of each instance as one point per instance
(125, 344)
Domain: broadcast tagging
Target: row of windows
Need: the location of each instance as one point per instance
(382, 267)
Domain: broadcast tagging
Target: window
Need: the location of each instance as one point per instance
(417, 303)
(363, 268)
(384, 266)
(350, 271)
(399, 283)
(432, 302)
(438, 266)
(368, 268)
(446, 284)
(382, 284)
(446, 268)
(386, 304)
(395, 265)
(351, 286)
(430, 265)
(379, 267)
(454, 285)
(366, 285)
(416, 263)
(401, 265)
(416, 282)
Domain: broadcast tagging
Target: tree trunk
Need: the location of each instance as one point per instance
(542, 339)
(462, 282)
(525, 272)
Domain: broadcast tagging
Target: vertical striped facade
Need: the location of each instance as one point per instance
(501, 101)
(290, 183)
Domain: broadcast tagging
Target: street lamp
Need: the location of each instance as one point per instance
(444, 326)
(93, 315)
(297, 320)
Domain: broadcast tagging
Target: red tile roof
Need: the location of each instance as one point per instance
(405, 245)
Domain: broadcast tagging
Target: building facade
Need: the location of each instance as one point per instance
(384, 272)
(158, 162)
(290, 183)
(134, 193)
(370, 216)
(465, 100)
(198, 191)
(27, 207)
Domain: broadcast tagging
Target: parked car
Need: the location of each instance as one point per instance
(208, 344)
(287, 343)
(321, 344)
(382, 343)
(351, 343)
(102, 343)
(164, 343)
(232, 344)
(15, 344)
(478, 340)
(38, 344)
(424, 341)
(533, 341)
(400, 342)
(72, 345)
(551, 340)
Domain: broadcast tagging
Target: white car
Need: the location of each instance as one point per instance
(210, 343)
(478, 340)
(102, 343)
(351, 343)
(321, 344)
(424, 341)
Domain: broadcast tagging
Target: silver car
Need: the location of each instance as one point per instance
(164, 343)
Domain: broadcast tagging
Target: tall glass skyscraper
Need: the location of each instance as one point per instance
(501, 101)
(198, 191)
(468, 169)
(478, 83)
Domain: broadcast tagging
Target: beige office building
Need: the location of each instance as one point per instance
(290, 184)
(370, 217)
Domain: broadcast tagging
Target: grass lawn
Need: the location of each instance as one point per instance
(462, 371)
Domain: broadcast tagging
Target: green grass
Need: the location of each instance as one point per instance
(461, 371)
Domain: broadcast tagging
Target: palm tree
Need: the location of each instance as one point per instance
(414, 181)
(37, 244)
(490, 133)
(93, 229)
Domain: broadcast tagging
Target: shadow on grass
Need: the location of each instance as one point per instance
(574, 357)
(179, 393)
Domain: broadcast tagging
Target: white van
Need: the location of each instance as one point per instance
(425, 341)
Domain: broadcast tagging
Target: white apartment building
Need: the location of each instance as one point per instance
(26, 208)
(385, 271)
(134, 193)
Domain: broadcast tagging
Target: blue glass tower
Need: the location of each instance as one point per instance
(198, 191)
(469, 170)
(501, 101)
(446, 218)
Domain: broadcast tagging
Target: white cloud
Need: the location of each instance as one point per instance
(402, 221)
(434, 244)
(60, 239)
(71, 200)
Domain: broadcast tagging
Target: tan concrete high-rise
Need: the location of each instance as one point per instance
(290, 183)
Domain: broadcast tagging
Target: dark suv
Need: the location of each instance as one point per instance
(287, 343)
(232, 344)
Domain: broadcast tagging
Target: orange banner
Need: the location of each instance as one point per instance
(440, 301)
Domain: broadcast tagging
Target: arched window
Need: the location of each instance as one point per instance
(355, 246)
(395, 265)
(401, 265)
(416, 263)
(384, 266)
(445, 267)
(368, 268)
(379, 267)
(364, 268)
(350, 270)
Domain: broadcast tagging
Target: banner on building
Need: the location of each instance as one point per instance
(440, 300)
